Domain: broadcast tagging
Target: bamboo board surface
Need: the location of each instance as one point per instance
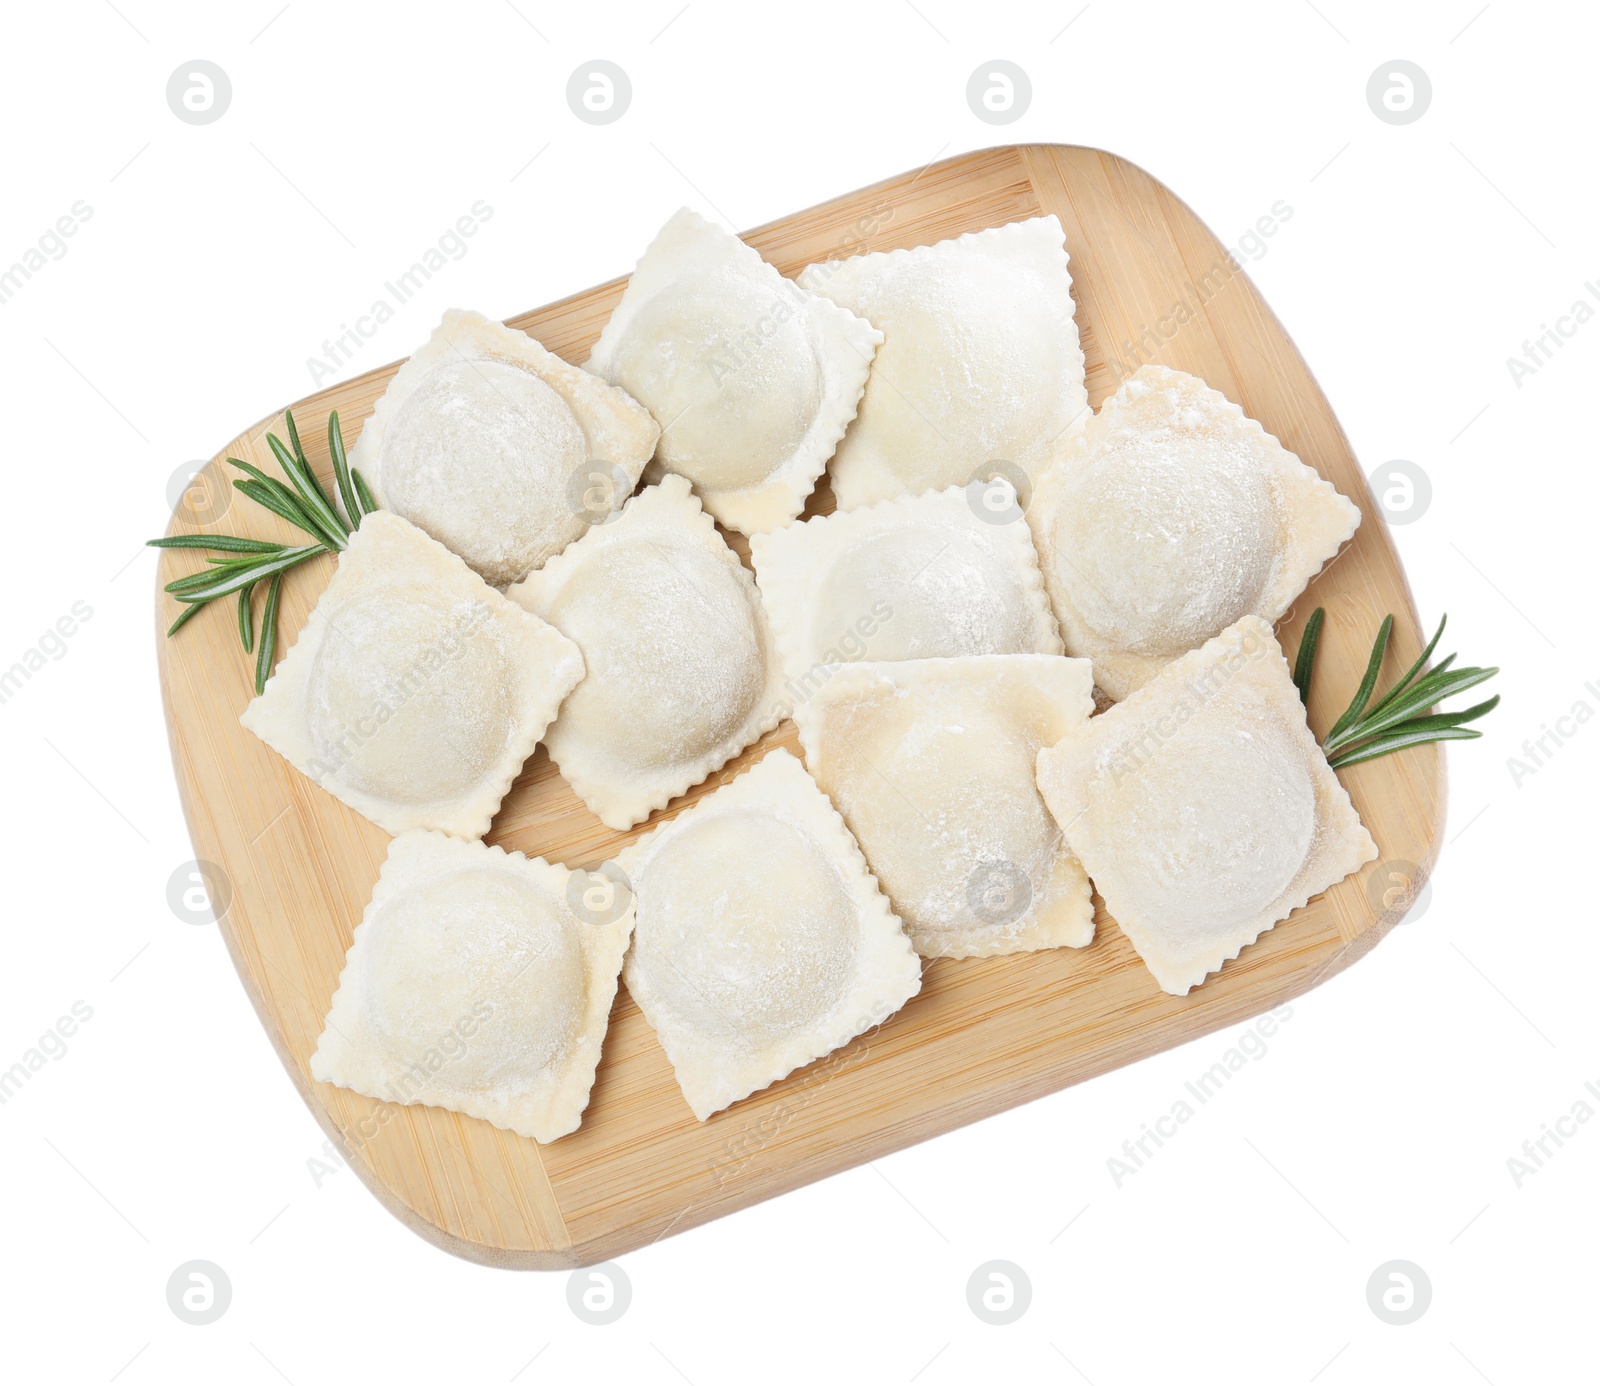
(984, 1034)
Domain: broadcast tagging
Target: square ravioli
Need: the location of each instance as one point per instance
(931, 763)
(1172, 515)
(1203, 807)
(478, 982)
(500, 450)
(752, 378)
(925, 577)
(683, 674)
(415, 691)
(761, 941)
(980, 361)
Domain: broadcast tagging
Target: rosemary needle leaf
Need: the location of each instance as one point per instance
(1421, 726)
(1452, 719)
(280, 502)
(304, 484)
(368, 505)
(238, 565)
(1399, 740)
(269, 635)
(1307, 657)
(1400, 717)
(341, 472)
(207, 576)
(294, 438)
(220, 584)
(309, 493)
(246, 635)
(283, 495)
(183, 616)
(327, 506)
(1425, 693)
(1368, 681)
(227, 543)
(1414, 670)
(228, 565)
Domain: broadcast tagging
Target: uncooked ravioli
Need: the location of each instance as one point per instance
(752, 379)
(472, 984)
(913, 578)
(1202, 806)
(438, 733)
(762, 942)
(768, 960)
(491, 444)
(1171, 516)
(980, 361)
(931, 763)
(682, 672)
(415, 691)
(485, 943)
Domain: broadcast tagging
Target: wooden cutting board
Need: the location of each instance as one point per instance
(983, 1035)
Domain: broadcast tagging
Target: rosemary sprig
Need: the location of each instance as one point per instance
(1399, 718)
(1308, 655)
(251, 562)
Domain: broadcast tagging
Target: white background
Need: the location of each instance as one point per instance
(1378, 1124)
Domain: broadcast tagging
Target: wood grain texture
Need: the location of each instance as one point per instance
(1151, 284)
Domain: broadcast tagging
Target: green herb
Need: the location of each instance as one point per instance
(1400, 717)
(305, 505)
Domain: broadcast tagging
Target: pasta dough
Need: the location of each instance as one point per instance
(1203, 807)
(415, 691)
(682, 671)
(931, 763)
(498, 449)
(980, 360)
(761, 941)
(1171, 516)
(911, 578)
(752, 379)
(471, 984)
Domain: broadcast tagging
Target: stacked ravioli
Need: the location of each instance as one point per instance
(552, 565)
